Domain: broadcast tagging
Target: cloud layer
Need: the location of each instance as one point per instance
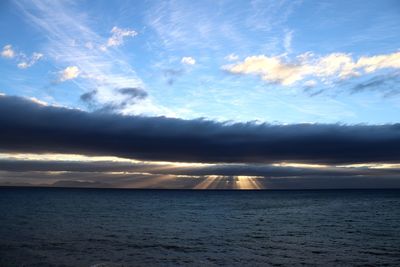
(61, 130)
(275, 69)
(222, 169)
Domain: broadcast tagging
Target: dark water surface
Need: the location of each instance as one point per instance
(97, 227)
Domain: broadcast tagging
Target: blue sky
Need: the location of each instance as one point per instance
(271, 61)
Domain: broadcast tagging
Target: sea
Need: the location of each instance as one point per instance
(123, 227)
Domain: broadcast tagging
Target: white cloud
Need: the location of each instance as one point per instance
(232, 57)
(271, 69)
(188, 61)
(117, 37)
(336, 65)
(23, 65)
(23, 61)
(371, 64)
(30, 62)
(7, 52)
(69, 73)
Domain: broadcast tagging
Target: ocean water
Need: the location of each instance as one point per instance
(100, 227)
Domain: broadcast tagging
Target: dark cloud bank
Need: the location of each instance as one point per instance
(30, 127)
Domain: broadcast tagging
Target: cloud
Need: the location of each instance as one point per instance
(310, 83)
(23, 65)
(137, 180)
(188, 61)
(374, 63)
(181, 24)
(386, 84)
(287, 41)
(30, 62)
(171, 75)
(69, 73)
(7, 52)
(61, 130)
(117, 172)
(89, 98)
(38, 101)
(167, 175)
(220, 169)
(133, 93)
(130, 96)
(271, 69)
(117, 37)
(275, 69)
(232, 57)
(23, 61)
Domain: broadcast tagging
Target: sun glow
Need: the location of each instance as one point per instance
(248, 182)
(230, 182)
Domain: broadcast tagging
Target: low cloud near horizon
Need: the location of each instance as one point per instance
(226, 153)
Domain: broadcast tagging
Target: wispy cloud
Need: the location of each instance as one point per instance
(232, 57)
(23, 60)
(287, 41)
(29, 62)
(180, 24)
(72, 42)
(385, 84)
(117, 37)
(267, 15)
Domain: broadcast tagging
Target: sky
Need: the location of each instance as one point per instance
(206, 94)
